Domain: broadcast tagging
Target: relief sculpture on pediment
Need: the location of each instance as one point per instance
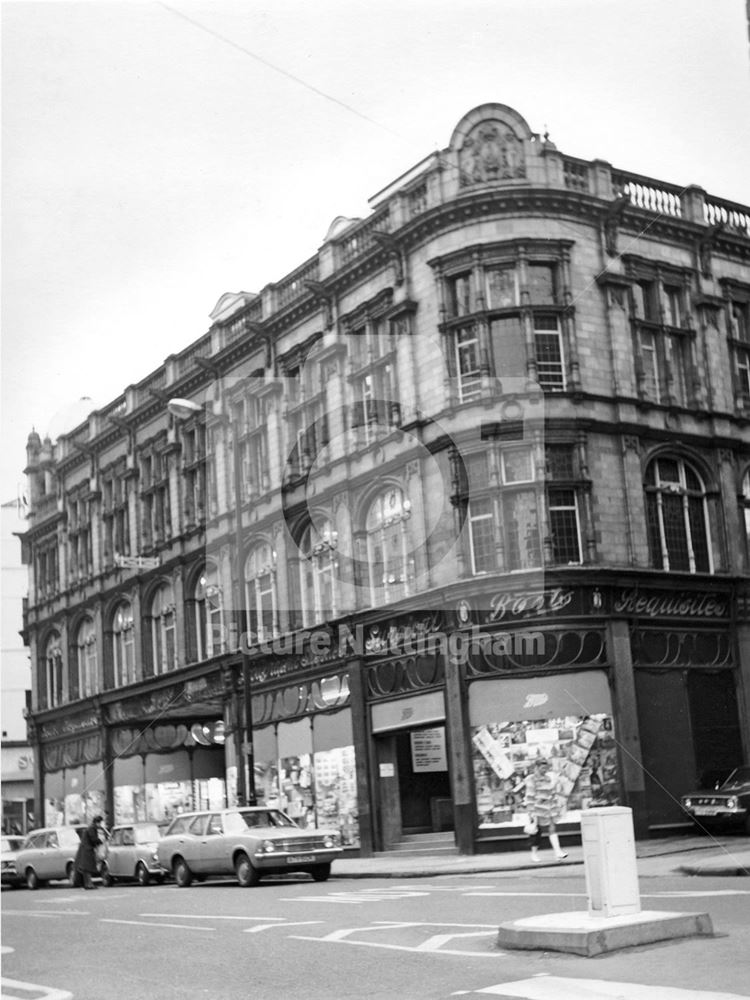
(491, 152)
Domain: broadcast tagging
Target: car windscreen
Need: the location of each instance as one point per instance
(239, 822)
(147, 834)
(68, 838)
(741, 776)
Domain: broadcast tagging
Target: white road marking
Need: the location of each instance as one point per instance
(292, 923)
(559, 988)
(688, 893)
(24, 989)
(357, 896)
(436, 942)
(685, 893)
(432, 944)
(205, 916)
(560, 895)
(45, 913)
(150, 923)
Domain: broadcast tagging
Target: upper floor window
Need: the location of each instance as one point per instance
(739, 346)
(677, 516)
(663, 340)
(307, 418)
(163, 630)
(318, 569)
(209, 613)
(390, 552)
(261, 594)
(251, 426)
(155, 496)
(53, 672)
(123, 644)
(194, 472)
(46, 570)
(506, 315)
(115, 517)
(87, 659)
(80, 541)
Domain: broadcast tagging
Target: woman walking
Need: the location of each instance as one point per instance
(545, 805)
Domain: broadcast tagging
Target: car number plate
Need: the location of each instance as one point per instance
(705, 811)
(300, 859)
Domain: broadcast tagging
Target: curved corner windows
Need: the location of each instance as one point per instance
(318, 570)
(210, 633)
(260, 593)
(87, 660)
(53, 672)
(677, 517)
(163, 644)
(123, 644)
(390, 556)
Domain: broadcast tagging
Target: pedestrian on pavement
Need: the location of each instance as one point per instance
(545, 805)
(86, 862)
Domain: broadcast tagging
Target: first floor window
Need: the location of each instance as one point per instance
(549, 353)
(389, 550)
(209, 613)
(163, 644)
(318, 573)
(564, 525)
(260, 593)
(123, 645)
(467, 364)
(87, 660)
(677, 513)
(53, 671)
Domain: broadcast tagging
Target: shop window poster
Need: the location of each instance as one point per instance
(581, 750)
(336, 793)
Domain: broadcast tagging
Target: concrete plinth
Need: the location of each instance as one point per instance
(582, 934)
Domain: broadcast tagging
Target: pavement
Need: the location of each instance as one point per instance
(708, 856)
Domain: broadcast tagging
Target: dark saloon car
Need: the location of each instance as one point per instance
(249, 842)
(727, 805)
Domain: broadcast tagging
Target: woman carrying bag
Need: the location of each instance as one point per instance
(545, 806)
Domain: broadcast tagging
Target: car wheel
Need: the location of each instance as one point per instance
(247, 873)
(142, 875)
(320, 873)
(106, 875)
(32, 879)
(181, 873)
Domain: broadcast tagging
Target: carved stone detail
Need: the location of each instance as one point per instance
(492, 152)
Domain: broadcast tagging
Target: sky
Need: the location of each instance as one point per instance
(157, 155)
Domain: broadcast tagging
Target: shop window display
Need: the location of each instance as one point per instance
(581, 750)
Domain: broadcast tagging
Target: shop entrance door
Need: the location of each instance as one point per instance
(415, 791)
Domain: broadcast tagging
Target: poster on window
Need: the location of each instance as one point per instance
(428, 750)
(336, 793)
(581, 750)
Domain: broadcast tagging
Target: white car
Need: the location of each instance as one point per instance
(249, 842)
(11, 845)
(49, 853)
(131, 854)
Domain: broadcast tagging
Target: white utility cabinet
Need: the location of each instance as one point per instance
(609, 860)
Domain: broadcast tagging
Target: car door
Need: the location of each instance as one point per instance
(127, 851)
(49, 857)
(214, 847)
(114, 858)
(197, 853)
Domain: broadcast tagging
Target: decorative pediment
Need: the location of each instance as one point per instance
(229, 304)
(490, 143)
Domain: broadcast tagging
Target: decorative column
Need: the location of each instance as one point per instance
(363, 759)
(462, 781)
(626, 722)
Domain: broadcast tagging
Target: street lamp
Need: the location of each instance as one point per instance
(183, 409)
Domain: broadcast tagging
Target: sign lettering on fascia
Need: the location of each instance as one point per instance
(683, 605)
(528, 603)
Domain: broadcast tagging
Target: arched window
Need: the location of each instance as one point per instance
(123, 644)
(260, 593)
(209, 613)
(87, 660)
(677, 517)
(163, 644)
(746, 509)
(53, 670)
(318, 568)
(389, 550)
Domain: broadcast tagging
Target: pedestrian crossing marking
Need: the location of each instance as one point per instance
(14, 989)
(544, 987)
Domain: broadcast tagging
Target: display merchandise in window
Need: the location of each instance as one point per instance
(582, 753)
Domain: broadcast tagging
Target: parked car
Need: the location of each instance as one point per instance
(11, 844)
(48, 853)
(249, 842)
(132, 854)
(728, 804)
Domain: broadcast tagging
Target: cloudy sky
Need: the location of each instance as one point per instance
(156, 155)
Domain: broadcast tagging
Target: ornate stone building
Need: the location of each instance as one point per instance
(468, 486)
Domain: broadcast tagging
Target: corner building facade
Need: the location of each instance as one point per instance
(469, 486)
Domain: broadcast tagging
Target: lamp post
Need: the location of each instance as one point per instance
(183, 409)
